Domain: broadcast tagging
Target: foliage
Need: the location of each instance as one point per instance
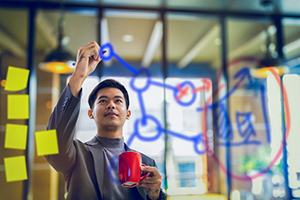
(259, 161)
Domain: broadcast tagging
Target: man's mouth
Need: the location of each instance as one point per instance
(110, 114)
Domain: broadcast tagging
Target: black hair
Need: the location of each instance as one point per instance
(108, 83)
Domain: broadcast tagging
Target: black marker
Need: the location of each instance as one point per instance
(92, 55)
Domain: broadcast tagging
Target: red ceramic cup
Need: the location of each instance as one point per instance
(130, 168)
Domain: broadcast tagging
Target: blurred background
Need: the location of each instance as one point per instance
(213, 88)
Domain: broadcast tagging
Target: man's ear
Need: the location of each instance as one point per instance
(90, 114)
(128, 114)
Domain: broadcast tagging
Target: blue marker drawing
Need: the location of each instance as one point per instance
(179, 91)
(113, 169)
(242, 74)
(111, 53)
(244, 119)
(224, 119)
(194, 94)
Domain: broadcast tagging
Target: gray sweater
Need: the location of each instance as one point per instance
(112, 147)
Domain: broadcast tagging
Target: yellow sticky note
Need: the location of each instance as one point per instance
(15, 136)
(16, 79)
(46, 142)
(18, 106)
(15, 168)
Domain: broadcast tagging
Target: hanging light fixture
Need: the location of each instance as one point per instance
(60, 60)
(271, 59)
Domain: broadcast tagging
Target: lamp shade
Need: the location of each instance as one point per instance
(58, 61)
(267, 64)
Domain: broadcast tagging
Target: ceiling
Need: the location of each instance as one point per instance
(191, 36)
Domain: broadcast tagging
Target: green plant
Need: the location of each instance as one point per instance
(258, 161)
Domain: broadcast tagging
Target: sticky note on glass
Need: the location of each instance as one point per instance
(15, 168)
(15, 136)
(46, 142)
(16, 79)
(18, 106)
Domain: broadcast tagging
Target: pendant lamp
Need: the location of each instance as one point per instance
(60, 60)
(270, 60)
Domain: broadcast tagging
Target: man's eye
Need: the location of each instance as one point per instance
(102, 101)
(119, 100)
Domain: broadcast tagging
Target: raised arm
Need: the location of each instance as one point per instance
(65, 114)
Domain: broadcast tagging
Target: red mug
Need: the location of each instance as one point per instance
(130, 163)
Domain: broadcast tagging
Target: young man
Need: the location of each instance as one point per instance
(90, 168)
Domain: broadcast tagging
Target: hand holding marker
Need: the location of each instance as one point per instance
(92, 55)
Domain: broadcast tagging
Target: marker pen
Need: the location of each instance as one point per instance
(92, 55)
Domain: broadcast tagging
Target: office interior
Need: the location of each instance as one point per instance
(213, 88)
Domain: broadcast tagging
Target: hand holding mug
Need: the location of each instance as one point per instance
(152, 182)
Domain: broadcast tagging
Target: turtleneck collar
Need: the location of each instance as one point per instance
(113, 143)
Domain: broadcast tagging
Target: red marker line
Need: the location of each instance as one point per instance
(183, 92)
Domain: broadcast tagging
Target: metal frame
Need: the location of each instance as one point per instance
(225, 72)
(32, 92)
(71, 5)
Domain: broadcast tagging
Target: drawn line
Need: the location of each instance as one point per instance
(126, 64)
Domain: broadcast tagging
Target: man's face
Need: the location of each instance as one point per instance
(109, 111)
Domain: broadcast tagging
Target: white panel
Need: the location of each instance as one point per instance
(291, 83)
(274, 109)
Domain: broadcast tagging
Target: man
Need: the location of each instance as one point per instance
(90, 168)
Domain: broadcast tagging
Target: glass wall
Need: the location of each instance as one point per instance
(212, 130)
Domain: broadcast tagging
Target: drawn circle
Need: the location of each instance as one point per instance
(178, 91)
(146, 86)
(158, 128)
(197, 141)
(286, 105)
(109, 53)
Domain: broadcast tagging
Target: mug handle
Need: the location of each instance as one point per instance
(145, 175)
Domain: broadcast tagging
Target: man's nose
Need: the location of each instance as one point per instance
(111, 105)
